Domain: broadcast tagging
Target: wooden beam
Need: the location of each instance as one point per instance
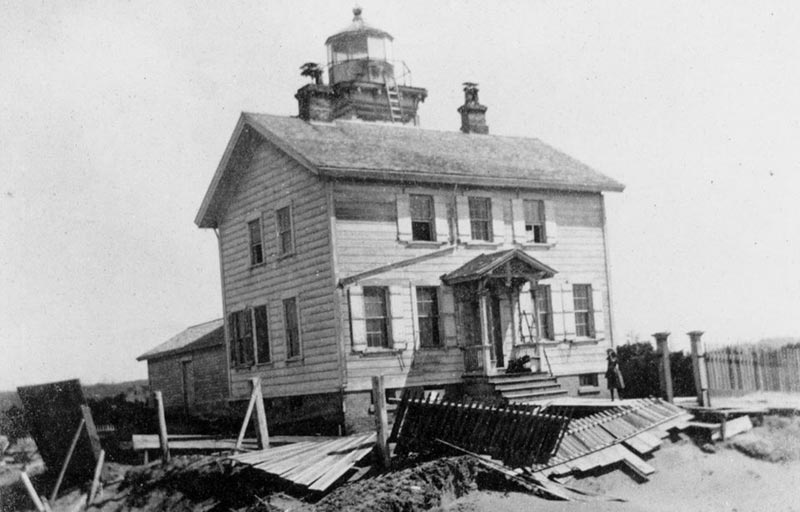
(261, 415)
(162, 427)
(37, 501)
(91, 431)
(381, 419)
(98, 469)
(67, 459)
(247, 415)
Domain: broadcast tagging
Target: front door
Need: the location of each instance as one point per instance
(496, 326)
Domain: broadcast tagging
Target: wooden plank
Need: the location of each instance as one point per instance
(736, 426)
(37, 501)
(250, 405)
(96, 479)
(67, 459)
(637, 465)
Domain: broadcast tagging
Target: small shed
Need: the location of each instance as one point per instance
(190, 369)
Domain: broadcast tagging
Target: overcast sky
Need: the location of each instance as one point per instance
(114, 115)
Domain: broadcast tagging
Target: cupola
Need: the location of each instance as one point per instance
(364, 80)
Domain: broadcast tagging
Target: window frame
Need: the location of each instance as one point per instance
(291, 330)
(284, 248)
(430, 220)
(584, 316)
(384, 331)
(485, 223)
(432, 319)
(245, 341)
(538, 221)
(543, 307)
(257, 256)
(586, 380)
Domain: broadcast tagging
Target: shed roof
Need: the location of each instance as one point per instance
(392, 152)
(205, 335)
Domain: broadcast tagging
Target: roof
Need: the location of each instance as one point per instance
(386, 151)
(209, 334)
(485, 264)
(357, 29)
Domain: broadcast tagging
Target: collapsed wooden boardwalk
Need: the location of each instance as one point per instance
(316, 465)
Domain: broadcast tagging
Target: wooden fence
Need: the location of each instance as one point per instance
(742, 369)
(519, 435)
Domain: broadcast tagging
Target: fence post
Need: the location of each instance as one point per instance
(664, 370)
(162, 428)
(699, 368)
(381, 419)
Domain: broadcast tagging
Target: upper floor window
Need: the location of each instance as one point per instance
(480, 218)
(291, 328)
(249, 336)
(375, 313)
(422, 218)
(428, 315)
(256, 245)
(544, 312)
(285, 242)
(584, 313)
(534, 220)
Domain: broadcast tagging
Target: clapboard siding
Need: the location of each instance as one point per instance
(362, 245)
(270, 181)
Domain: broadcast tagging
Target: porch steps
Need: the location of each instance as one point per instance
(526, 387)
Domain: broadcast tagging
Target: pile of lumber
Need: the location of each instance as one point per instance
(314, 464)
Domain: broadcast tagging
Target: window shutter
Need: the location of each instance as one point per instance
(462, 214)
(550, 226)
(498, 221)
(447, 317)
(358, 323)
(599, 313)
(232, 338)
(569, 310)
(518, 220)
(401, 322)
(403, 218)
(442, 225)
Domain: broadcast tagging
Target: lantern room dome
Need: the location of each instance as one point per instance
(358, 29)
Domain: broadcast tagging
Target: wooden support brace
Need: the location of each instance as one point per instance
(162, 427)
(98, 469)
(247, 416)
(381, 419)
(37, 501)
(261, 415)
(67, 459)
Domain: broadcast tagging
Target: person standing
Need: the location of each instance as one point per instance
(613, 375)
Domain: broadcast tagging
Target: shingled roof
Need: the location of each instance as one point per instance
(357, 149)
(205, 335)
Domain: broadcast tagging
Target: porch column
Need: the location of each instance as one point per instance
(485, 340)
(664, 370)
(699, 368)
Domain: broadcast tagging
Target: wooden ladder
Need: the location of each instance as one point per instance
(393, 94)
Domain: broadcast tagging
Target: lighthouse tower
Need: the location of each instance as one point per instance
(364, 82)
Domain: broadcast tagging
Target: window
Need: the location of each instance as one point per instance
(534, 221)
(584, 314)
(256, 247)
(292, 328)
(246, 348)
(588, 379)
(262, 334)
(376, 319)
(428, 314)
(422, 219)
(480, 218)
(285, 242)
(544, 312)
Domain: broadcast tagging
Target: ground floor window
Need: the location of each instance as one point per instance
(291, 327)
(375, 312)
(588, 379)
(249, 336)
(428, 315)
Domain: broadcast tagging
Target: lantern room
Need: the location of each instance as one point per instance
(361, 53)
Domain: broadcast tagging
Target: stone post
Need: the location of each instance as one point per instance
(664, 371)
(699, 368)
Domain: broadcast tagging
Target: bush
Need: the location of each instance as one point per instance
(639, 364)
(13, 424)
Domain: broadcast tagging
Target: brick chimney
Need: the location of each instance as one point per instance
(473, 114)
(314, 100)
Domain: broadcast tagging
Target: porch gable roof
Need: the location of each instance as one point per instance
(484, 264)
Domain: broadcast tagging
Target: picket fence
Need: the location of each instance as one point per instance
(751, 368)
